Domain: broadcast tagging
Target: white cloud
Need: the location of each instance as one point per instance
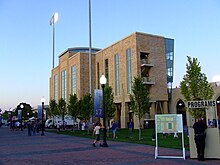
(216, 78)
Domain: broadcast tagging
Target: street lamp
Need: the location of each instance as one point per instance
(103, 82)
(42, 114)
(22, 107)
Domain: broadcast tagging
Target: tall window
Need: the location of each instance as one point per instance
(56, 88)
(98, 75)
(117, 81)
(63, 84)
(169, 48)
(106, 70)
(128, 70)
(74, 79)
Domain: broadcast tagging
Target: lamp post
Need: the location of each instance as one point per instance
(103, 82)
(22, 108)
(42, 114)
(52, 22)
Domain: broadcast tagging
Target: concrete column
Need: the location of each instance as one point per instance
(123, 115)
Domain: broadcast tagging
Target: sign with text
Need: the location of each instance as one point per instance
(169, 123)
(201, 104)
(98, 102)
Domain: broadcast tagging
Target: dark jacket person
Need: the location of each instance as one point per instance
(199, 130)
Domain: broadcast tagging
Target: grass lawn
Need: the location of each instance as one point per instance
(123, 136)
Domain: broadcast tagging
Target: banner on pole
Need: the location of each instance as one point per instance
(19, 114)
(98, 103)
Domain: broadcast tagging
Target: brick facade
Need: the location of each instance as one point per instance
(139, 43)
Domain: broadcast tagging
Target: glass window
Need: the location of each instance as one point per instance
(117, 81)
(169, 48)
(128, 70)
(56, 88)
(63, 84)
(74, 79)
(106, 70)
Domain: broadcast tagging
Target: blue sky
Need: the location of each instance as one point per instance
(26, 37)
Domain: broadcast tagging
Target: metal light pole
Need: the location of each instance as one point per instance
(22, 108)
(52, 22)
(90, 56)
(103, 81)
(42, 128)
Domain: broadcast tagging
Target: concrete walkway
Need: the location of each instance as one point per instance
(16, 148)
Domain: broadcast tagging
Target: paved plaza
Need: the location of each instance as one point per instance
(16, 148)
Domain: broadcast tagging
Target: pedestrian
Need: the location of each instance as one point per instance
(29, 125)
(199, 131)
(34, 127)
(58, 127)
(97, 133)
(175, 136)
(114, 129)
(131, 128)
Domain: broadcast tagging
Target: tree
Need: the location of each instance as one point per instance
(62, 109)
(73, 107)
(53, 109)
(140, 100)
(87, 107)
(195, 86)
(26, 112)
(109, 103)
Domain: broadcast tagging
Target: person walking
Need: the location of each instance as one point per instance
(58, 127)
(199, 130)
(131, 128)
(114, 129)
(29, 125)
(97, 133)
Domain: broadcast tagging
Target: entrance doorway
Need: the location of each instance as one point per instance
(118, 114)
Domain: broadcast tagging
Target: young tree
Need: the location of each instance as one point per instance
(53, 109)
(109, 103)
(62, 109)
(73, 107)
(140, 100)
(195, 86)
(87, 107)
(26, 112)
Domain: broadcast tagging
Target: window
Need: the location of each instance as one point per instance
(128, 70)
(117, 81)
(169, 48)
(56, 88)
(63, 84)
(74, 79)
(106, 70)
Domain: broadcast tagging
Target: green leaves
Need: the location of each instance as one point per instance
(73, 106)
(109, 103)
(140, 101)
(195, 86)
(53, 108)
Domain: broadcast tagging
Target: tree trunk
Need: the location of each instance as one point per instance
(139, 133)
(139, 129)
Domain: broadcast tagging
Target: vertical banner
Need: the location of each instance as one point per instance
(39, 111)
(98, 101)
(19, 114)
